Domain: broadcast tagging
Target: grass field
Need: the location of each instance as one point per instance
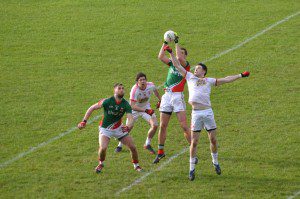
(59, 57)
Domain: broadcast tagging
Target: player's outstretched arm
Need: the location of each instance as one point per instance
(175, 61)
(179, 54)
(232, 78)
(162, 55)
(87, 115)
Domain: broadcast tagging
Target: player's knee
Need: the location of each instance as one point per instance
(163, 126)
(154, 127)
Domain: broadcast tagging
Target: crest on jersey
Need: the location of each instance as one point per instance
(201, 82)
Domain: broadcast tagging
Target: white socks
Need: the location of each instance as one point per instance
(148, 141)
(215, 158)
(120, 144)
(135, 165)
(192, 163)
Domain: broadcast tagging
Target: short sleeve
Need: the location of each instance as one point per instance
(151, 85)
(128, 108)
(170, 63)
(133, 93)
(212, 81)
(188, 75)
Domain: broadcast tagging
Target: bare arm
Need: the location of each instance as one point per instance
(135, 107)
(87, 115)
(162, 55)
(176, 63)
(130, 120)
(228, 79)
(232, 78)
(179, 55)
(156, 93)
(90, 111)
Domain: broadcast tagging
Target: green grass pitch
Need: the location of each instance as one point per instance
(59, 57)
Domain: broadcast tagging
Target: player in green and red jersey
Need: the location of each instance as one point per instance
(173, 99)
(111, 125)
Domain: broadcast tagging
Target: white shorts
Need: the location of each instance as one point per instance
(203, 119)
(172, 102)
(144, 115)
(115, 133)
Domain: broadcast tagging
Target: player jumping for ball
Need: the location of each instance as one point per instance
(173, 99)
(111, 125)
(140, 103)
(202, 113)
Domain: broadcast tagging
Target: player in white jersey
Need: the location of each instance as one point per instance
(140, 103)
(202, 113)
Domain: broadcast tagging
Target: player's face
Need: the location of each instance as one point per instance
(119, 91)
(183, 53)
(199, 72)
(142, 82)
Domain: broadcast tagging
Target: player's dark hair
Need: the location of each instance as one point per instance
(204, 67)
(118, 84)
(185, 51)
(139, 75)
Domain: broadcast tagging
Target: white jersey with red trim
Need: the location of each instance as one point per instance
(199, 89)
(142, 97)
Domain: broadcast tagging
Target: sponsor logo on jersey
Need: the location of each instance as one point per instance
(175, 72)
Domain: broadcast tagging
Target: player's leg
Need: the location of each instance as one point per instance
(193, 153)
(211, 127)
(166, 110)
(128, 141)
(103, 144)
(212, 135)
(181, 116)
(196, 127)
(179, 108)
(162, 134)
(152, 120)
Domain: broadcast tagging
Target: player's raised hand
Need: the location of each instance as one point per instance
(176, 38)
(158, 104)
(245, 74)
(125, 129)
(149, 111)
(82, 124)
(168, 48)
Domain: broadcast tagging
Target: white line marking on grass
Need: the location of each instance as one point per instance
(21, 155)
(139, 180)
(32, 149)
(253, 37)
(294, 196)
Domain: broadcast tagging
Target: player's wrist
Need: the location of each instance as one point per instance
(85, 121)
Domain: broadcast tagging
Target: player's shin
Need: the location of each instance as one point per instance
(102, 155)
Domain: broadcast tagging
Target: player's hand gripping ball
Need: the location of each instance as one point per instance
(169, 36)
